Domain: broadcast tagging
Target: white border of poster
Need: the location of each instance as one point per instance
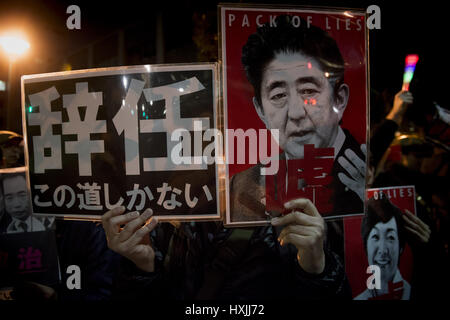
(223, 59)
(142, 69)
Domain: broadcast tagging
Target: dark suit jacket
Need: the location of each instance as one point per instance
(247, 188)
(5, 220)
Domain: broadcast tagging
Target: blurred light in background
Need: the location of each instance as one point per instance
(14, 44)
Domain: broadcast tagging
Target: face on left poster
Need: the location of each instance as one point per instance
(126, 136)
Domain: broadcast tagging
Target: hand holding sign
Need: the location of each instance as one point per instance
(402, 100)
(410, 66)
(305, 229)
(132, 240)
(356, 169)
(418, 229)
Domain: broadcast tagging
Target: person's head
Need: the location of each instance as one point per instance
(383, 236)
(15, 195)
(12, 152)
(297, 73)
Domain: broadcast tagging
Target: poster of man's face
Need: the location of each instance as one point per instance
(27, 242)
(15, 201)
(15, 195)
(287, 82)
(302, 75)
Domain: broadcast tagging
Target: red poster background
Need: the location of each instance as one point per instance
(239, 93)
(355, 257)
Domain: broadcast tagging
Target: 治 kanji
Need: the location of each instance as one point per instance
(30, 258)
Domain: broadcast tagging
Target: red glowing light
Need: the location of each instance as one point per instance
(410, 65)
(411, 59)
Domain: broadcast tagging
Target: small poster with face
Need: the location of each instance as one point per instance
(15, 209)
(378, 260)
(27, 243)
(295, 97)
(138, 137)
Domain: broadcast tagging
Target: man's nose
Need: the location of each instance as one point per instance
(296, 107)
(17, 203)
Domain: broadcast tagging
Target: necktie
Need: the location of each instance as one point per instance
(395, 292)
(23, 226)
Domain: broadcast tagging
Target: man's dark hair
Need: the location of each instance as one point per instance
(313, 42)
(382, 210)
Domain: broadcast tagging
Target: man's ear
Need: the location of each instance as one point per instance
(260, 111)
(341, 100)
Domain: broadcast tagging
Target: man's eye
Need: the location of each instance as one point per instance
(308, 91)
(375, 237)
(278, 96)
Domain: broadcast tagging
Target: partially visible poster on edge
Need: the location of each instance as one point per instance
(378, 239)
(29, 256)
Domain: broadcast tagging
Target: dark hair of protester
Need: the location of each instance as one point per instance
(287, 37)
(382, 210)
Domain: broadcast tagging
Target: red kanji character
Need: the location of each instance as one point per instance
(30, 259)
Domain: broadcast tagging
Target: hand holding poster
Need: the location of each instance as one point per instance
(128, 136)
(300, 74)
(378, 260)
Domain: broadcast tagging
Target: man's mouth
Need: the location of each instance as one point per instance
(301, 134)
(19, 213)
(382, 263)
